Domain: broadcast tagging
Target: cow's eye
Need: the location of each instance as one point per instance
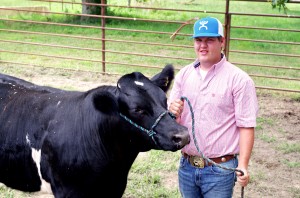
(139, 111)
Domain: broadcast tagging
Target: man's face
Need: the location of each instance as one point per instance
(208, 50)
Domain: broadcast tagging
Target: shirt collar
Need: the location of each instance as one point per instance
(197, 62)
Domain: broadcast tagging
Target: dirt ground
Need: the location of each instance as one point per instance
(270, 165)
(275, 162)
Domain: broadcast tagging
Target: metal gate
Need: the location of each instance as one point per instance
(41, 36)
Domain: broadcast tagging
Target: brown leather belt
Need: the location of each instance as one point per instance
(200, 162)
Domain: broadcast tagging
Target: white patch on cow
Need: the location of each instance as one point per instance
(28, 140)
(139, 83)
(36, 156)
(58, 103)
(119, 86)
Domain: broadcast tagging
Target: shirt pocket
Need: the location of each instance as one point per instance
(219, 107)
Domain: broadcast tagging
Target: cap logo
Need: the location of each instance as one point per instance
(203, 23)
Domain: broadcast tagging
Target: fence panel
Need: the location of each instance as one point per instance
(146, 36)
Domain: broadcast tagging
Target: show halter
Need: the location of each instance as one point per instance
(150, 132)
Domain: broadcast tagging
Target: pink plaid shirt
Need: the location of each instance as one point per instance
(222, 102)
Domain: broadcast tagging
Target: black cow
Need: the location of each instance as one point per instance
(83, 144)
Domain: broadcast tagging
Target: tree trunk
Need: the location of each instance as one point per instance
(91, 9)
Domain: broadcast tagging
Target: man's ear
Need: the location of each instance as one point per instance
(164, 78)
(223, 42)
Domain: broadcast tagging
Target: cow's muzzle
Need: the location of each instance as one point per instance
(182, 139)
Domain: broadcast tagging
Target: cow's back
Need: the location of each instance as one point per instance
(25, 111)
(17, 168)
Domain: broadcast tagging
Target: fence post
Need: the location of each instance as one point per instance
(103, 34)
(227, 35)
(227, 29)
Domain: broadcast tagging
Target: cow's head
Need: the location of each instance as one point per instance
(143, 106)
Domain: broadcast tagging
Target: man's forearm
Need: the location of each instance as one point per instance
(246, 144)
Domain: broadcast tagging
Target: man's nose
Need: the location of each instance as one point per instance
(203, 44)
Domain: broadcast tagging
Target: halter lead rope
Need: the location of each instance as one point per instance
(150, 132)
(197, 147)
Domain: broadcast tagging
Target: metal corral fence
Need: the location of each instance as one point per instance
(121, 43)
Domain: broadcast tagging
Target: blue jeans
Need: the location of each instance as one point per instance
(208, 182)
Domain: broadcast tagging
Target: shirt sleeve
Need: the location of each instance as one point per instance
(246, 104)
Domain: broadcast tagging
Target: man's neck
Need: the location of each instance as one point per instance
(206, 67)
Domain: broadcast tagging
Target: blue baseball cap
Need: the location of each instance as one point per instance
(208, 27)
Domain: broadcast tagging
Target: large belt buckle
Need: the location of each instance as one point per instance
(198, 161)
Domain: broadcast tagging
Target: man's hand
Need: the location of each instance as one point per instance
(243, 180)
(176, 107)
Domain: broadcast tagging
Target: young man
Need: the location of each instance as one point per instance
(225, 107)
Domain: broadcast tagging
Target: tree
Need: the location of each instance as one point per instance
(280, 4)
(92, 9)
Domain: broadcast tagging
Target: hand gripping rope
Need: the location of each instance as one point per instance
(197, 147)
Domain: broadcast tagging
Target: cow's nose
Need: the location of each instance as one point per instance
(181, 139)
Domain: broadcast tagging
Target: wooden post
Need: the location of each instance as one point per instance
(227, 29)
(103, 8)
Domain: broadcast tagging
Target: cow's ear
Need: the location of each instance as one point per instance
(164, 78)
(105, 102)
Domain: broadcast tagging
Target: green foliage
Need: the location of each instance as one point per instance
(142, 1)
(280, 4)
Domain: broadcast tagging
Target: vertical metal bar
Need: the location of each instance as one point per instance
(226, 50)
(103, 34)
(228, 28)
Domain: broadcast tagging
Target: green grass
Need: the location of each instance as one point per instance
(261, 132)
(289, 147)
(257, 176)
(145, 178)
(295, 191)
(6, 193)
(292, 164)
(266, 137)
(260, 122)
